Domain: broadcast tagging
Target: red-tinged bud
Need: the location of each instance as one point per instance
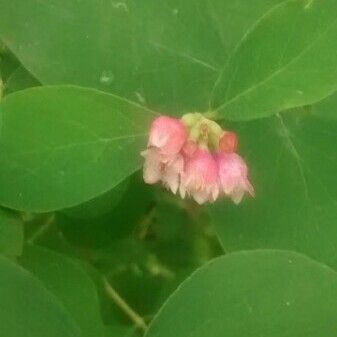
(228, 142)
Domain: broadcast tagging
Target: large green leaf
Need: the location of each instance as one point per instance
(293, 163)
(253, 293)
(289, 59)
(165, 53)
(11, 233)
(27, 309)
(68, 281)
(61, 146)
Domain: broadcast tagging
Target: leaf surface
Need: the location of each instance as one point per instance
(288, 59)
(28, 309)
(61, 146)
(253, 293)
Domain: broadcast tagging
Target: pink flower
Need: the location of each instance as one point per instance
(233, 178)
(167, 134)
(200, 177)
(195, 156)
(162, 168)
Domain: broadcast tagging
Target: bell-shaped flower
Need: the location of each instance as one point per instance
(200, 177)
(233, 176)
(162, 168)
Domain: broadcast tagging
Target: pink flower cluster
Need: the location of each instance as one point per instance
(178, 155)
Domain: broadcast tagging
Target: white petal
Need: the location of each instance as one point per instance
(215, 192)
(151, 170)
(228, 184)
(237, 195)
(200, 196)
(182, 191)
(171, 179)
(177, 164)
(151, 174)
(249, 188)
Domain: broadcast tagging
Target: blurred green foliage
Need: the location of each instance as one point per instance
(89, 249)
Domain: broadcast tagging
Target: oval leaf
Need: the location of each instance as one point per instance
(28, 309)
(61, 146)
(289, 59)
(253, 293)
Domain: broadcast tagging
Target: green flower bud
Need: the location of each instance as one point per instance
(202, 131)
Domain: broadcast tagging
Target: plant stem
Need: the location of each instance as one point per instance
(211, 115)
(41, 230)
(120, 302)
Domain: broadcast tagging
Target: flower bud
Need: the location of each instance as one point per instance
(228, 142)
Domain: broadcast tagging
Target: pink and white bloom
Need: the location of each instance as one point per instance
(195, 156)
(200, 177)
(167, 134)
(233, 176)
(162, 168)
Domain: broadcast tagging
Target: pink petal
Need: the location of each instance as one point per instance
(171, 174)
(200, 177)
(233, 176)
(168, 134)
(152, 166)
(200, 196)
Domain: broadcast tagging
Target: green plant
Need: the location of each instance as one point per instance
(88, 249)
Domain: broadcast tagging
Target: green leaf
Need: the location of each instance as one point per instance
(327, 108)
(61, 146)
(67, 279)
(288, 59)
(119, 331)
(11, 233)
(20, 79)
(101, 205)
(8, 63)
(292, 159)
(165, 53)
(28, 309)
(253, 293)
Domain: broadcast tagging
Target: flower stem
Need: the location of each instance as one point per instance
(42, 229)
(120, 302)
(213, 115)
